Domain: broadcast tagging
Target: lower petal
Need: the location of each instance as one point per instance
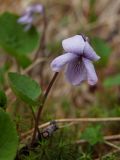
(27, 27)
(76, 72)
(91, 74)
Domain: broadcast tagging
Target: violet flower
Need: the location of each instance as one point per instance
(78, 60)
(28, 16)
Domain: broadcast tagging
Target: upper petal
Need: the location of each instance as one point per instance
(91, 74)
(37, 8)
(76, 72)
(58, 63)
(74, 44)
(89, 53)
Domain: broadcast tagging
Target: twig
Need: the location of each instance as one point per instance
(66, 125)
(107, 138)
(108, 154)
(117, 149)
(76, 121)
(113, 137)
(112, 145)
(33, 65)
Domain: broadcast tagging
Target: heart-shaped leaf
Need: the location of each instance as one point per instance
(25, 88)
(8, 137)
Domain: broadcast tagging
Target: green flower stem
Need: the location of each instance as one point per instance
(42, 106)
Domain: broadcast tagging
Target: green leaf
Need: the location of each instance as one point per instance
(93, 134)
(112, 81)
(102, 49)
(3, 100)
(23, 60)
(13, 38)
(25, 88)
(8, 137)
(3, 70)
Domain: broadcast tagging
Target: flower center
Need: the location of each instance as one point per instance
(80, 59)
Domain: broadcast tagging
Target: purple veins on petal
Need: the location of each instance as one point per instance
(76, 72)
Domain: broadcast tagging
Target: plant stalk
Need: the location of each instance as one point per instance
(42, 106)
(42, 41)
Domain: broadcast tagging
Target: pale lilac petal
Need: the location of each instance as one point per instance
(89, 53)
(74, 44)
(76, 72)
(59, 62)
(25, 19)
(91, 74)
(38, 8)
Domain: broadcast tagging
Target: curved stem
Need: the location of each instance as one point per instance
(42, 106)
